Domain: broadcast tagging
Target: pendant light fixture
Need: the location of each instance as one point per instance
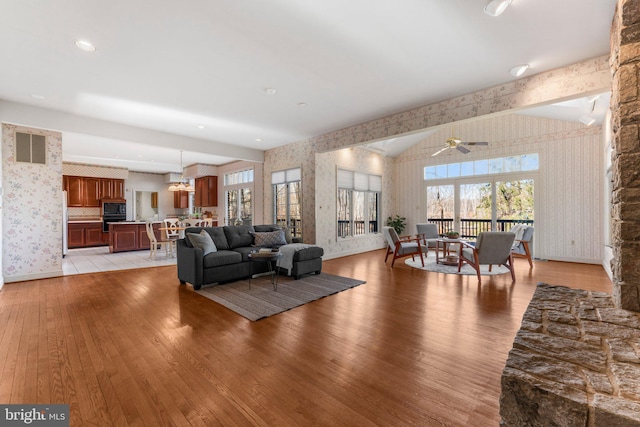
(180, 185)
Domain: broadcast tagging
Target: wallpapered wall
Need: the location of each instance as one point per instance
(584, 78)
(32, 217)
(354, 159)
(568, 189)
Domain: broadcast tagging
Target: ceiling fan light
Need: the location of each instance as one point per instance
(496, 7)
(587, 120)
(519, 70)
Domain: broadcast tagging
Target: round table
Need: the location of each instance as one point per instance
(446, 258)
(271, 258)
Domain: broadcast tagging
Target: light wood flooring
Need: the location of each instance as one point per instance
(133, 347)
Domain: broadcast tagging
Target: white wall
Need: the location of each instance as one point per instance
(568, 191)
(140, 181)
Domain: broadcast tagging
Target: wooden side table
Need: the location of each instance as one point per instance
(444, 244)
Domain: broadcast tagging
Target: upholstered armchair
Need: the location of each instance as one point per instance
(428, 233)
(491, 247)
(523, 241)
(402, 246)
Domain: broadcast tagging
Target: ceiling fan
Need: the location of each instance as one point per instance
(457, 143)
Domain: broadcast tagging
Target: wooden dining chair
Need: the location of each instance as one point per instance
(155, 243)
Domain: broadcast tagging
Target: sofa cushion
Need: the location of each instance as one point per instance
(224, 257)
(245, 251)
(216, 233)
(239, 235)
(203, 241)
(273, 227)
(269, 239)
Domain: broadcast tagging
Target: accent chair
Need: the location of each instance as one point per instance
(491, 247)
(522, 244)
(402, 246)
(429, 234)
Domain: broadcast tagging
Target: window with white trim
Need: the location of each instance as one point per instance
(287, 199)
(238, 191)
(358, 203)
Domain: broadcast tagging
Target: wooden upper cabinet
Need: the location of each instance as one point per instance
(83, 191)
(106, 188)
(92, 192)
(181, 199)
(74, 187)
(206, 191)
(118, 188)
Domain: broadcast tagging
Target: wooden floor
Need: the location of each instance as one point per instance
(133, 347)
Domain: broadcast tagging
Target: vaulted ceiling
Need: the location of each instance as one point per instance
(217, 74)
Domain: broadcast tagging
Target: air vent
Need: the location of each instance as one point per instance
(31, 148)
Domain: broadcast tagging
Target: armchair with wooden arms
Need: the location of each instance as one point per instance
(491, 247)
(429, 234)
(402, 246)
(522, 244)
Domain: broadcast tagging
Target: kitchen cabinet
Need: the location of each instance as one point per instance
(87, 192)
(181, 199)
(154, 200)
(74, 187)
(206, 191)
(85, 234)
(130, 236)
(92, 192)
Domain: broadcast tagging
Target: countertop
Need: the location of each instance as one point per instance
(77, 221)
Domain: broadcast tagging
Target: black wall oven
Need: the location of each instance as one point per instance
(113, 211)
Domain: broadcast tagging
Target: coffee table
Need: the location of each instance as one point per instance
(271, 258)
(444, 244)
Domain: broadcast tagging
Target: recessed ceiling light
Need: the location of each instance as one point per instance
(200, 126)
(519, 70)
(139, 156)
(36, 96)
(85, 45)
(258, 139)
(302, 104)
(270, 91)
(496, 7)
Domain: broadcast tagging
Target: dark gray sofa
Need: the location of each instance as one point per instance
(231, 262)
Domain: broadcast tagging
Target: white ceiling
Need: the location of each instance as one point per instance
(173, 66)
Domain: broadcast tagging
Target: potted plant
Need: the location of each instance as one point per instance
(452, 234)
(397, 223)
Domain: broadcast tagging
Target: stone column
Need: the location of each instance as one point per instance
(625, 108)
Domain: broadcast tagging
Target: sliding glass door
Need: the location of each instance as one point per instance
(473, 205)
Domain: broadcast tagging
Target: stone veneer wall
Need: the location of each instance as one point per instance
(575, 362)
(625, 126)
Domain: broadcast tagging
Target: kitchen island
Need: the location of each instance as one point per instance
(130, 236)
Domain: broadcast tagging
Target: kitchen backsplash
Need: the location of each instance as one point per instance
(80, 213)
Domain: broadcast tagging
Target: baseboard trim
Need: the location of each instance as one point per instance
(36, 276)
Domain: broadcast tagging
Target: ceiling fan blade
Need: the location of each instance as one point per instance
(439, 151)
(475, 143)
(462, 149)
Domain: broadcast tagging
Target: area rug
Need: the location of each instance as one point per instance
(430, 265)
(262, 301)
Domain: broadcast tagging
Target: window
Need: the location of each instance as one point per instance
(287, 200)
(521, 163)
(358, 203)
(238, 191)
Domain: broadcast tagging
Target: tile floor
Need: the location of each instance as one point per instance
(93, 260)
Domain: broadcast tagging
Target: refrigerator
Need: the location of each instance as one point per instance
(65, 225)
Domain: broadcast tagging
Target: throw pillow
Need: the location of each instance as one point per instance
(270, 239)
(203, 241)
